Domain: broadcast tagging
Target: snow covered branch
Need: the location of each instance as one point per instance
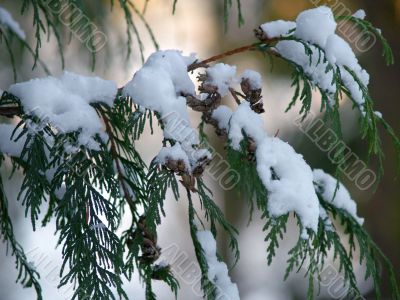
(76, 143)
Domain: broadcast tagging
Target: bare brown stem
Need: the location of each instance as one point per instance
(217, 57)
(205, 62)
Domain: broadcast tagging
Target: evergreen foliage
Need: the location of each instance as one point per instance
(87, 191)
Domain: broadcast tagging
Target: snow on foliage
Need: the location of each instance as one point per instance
(217, 270)
(338, 197)
(89, 106)
(360, 14)
(222, 76)
(316, 69)
(159, 86)
(253, 77)
(323, 215)
(7, 20)
(315, 65)
(287, 177)
(315, 25)
(278, 28)
(289, 181)
(284, 173)
(245, 120)
(222, 114)
(65, 102)
(173, 153)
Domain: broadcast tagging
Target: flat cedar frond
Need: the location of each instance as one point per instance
(46, 22)
(207, 286)
(76, 138)
(227, 6)
(251, 189)
(275, 227)
(27, 275)
(370, 254)
(81, 223)
(368, 27)
(214, 214)
(303, 85)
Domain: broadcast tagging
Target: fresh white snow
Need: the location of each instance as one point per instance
(217, 270)
(326, 185)
(254, 78)
(323, 215)
(222, 76)
(91, 89)
(7, 20)
(360, 14)
(351, 84)
(173, 153)
(284, 173)
(339, 52)
(65, 101)
(244, 119)
(315, 25)
(278, 28)
(289, 180)
(222, 114)
(199, 156)
(290, 187)
(316, 70)
(173, 63)
(160, 85)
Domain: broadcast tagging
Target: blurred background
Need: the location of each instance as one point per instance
(198, 26)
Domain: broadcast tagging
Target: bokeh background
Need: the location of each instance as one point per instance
(198, 26)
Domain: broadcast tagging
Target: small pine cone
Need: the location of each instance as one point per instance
(246, 86)
(200, 168)
(259, 33)
(172, 165)
(251, 147)
(188, 181)
(208, 88)
(142, 227)
(181, 167)
(202, 77)
(252, 95)
(198, 171)
(258, 107)
(255, 96)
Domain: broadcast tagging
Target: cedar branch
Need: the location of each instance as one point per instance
(114, 154)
